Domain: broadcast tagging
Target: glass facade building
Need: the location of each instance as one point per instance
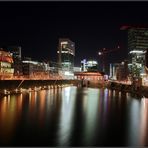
(137, 46)
(137, 39)
(66, 53)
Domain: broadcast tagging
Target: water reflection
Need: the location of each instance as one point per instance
(10, 112)
(66, 116)
(105, 106)
(134, 122)
(137, 122)
(73, 116)
(90, 112)
(144, 122)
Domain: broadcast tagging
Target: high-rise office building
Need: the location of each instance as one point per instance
(137, 39)
(66, 53)
(16, 54)
(137, 46)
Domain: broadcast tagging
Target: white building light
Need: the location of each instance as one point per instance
(31, 62)
(137, 51)
(64, 42)
(68, 73)
(91, 63)
(100, 53)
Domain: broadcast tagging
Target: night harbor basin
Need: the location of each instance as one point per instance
(73, 116)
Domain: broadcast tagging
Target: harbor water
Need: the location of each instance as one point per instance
(73, 116)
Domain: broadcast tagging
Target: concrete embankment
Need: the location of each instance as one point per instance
(142, 91)
(93, 84)
(11, 85)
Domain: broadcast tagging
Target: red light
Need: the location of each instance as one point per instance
(124, 27)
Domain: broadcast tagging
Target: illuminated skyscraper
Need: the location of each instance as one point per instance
(137, 46)
(137, 39)
(66, 53)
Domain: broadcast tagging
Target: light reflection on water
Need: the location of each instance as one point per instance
(90, 113)
(144, 122)
(73, 116)
(66, 116)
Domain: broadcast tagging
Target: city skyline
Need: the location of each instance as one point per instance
(73, 73)
(37, 26)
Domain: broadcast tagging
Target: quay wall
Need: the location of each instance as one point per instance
(13, 84)
(142, 91)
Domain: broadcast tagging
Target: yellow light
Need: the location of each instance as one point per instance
(5, 91)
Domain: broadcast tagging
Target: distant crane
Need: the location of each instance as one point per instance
(103, 53)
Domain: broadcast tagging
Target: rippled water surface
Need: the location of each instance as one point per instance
(73, 116)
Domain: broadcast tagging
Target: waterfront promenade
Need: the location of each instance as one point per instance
(18, 85)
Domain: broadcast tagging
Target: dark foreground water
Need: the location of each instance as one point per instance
(73, 116)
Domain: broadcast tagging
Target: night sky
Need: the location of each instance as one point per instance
(37, 26)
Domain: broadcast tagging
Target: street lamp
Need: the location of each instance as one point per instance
(99, 53)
